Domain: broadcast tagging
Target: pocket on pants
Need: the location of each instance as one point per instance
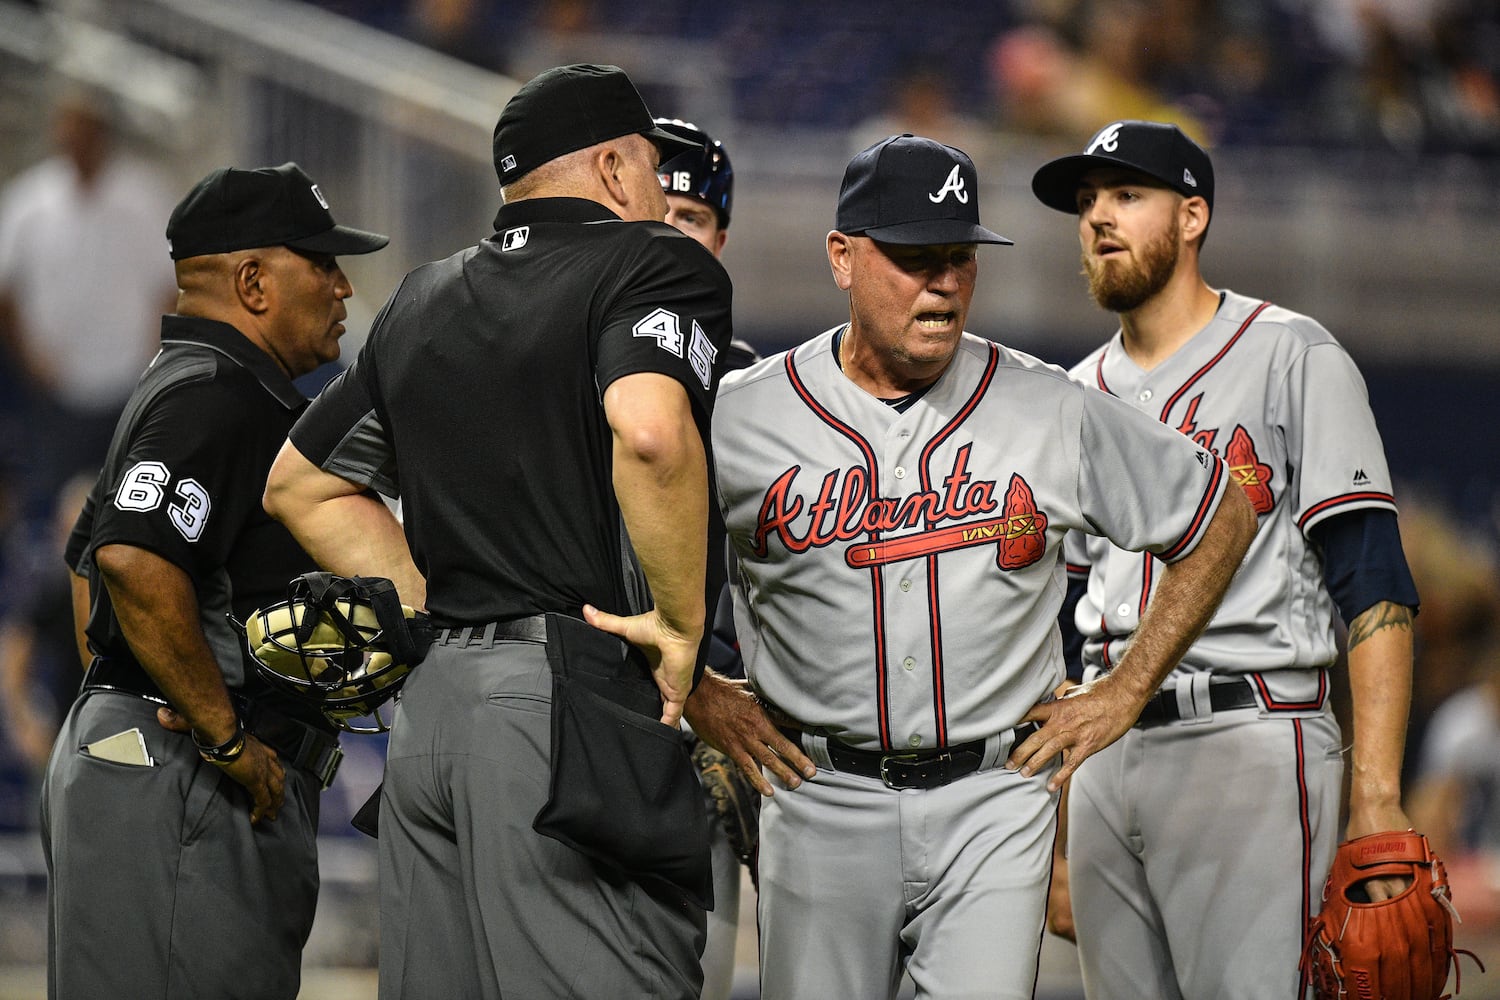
(622, 788)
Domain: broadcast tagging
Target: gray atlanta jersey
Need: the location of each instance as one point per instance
(940, 526)
(1278, 398)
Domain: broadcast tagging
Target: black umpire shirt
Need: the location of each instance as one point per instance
(184, 478)
(477, 401)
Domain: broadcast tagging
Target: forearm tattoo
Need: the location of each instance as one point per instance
(1378, 618)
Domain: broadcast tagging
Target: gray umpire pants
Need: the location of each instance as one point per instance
(159, 887)
(473, 902)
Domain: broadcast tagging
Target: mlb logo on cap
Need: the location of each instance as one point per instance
(1156, 149)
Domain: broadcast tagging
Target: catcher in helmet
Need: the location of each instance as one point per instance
(699, 184)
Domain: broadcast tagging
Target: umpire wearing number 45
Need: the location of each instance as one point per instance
(539, 402)
(181, 801)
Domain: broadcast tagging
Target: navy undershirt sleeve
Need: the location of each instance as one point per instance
(1363, 563)
(1072, 639)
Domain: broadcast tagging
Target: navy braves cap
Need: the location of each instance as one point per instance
(233, 209)
(1156, 149)
(914, 191)
(568, 108)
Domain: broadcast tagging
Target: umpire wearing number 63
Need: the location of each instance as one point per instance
(181, 801)
(539, 403)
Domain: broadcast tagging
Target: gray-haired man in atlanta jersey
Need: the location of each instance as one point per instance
(1198, 844)
(897, 491)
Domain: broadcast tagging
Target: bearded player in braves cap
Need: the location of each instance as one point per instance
(896, 491)
(1247, 708)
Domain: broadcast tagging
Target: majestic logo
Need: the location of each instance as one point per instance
(954, 184)
(1108, 139)
(508, 164)
(319, 195)
(1360, 479)
(515, 239)
(1253, 475)
(847, 511)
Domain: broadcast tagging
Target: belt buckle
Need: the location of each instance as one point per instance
(911, 759)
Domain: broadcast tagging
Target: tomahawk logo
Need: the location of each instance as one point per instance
(954, 184)
(319, 195)
(1108, 139)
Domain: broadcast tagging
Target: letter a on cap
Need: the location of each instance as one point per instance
(955, 184)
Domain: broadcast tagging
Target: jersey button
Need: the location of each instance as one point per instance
(1145, 395)
(915, 740)
(900, 472)
(905, 585)
(1123, 610)
(909, 663)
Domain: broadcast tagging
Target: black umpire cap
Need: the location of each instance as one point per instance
(233, 209)
(1159, 150)
(568, 108)
(909, 190)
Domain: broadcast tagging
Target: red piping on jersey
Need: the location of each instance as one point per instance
(1167, 409)
(1077, 569)
(1306, 821)
(877, 603)
(1148, 570)
(1272, 705)
(939, 696)
(1201, 516)
(1347, 498)
(934, 617)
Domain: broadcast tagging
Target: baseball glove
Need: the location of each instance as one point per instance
(1396, 949)
(344, 644)
(735, 800)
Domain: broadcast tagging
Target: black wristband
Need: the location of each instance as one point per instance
(227, 752)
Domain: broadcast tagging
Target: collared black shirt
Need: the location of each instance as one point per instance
(477, 401)
(184, 478)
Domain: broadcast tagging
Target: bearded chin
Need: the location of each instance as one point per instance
(1123, 288)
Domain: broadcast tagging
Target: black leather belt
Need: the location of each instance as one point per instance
(1224, 693)
(297, 742)
(485, 635)
(901, 769)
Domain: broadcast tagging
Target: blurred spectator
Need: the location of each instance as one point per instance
(557, 33)
(83, 283)
(1413, 75)
(921, 102)
(1046, 87)
(1457, 581)
(470, 30)
(41, 650)
(1456, 799)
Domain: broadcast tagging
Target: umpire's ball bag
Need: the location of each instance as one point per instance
(623, 788)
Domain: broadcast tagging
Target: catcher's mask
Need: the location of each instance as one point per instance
(345, 644)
